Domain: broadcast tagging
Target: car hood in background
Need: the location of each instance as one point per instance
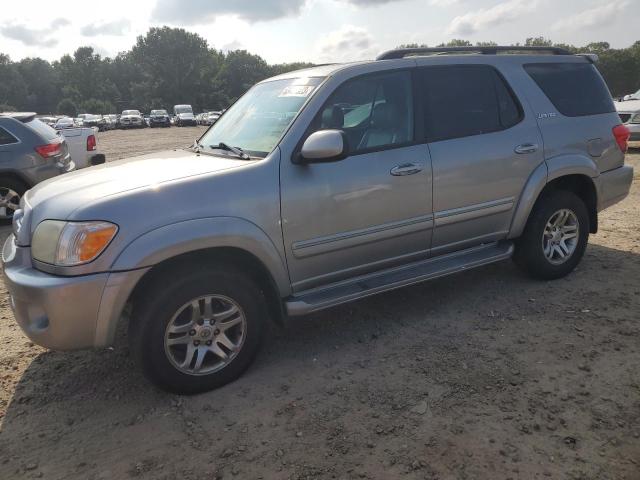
(629, 106)
(62, 195)
(186, 116)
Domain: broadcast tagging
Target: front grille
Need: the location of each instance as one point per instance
(625, 117)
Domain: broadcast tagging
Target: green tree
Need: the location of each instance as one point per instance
(67, 107)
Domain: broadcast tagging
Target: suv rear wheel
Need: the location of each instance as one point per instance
(555, 237)
(194, 331)
(11, 191)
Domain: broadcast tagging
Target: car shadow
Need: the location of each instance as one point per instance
(73, 411)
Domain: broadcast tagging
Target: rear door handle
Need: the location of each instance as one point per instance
(526, 148)
(405, 169)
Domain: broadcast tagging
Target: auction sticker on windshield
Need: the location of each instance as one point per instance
(296, 91)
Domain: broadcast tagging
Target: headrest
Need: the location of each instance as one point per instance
(382, 116)
(333, 118)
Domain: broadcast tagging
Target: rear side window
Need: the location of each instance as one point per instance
(42, 129)
(465, 100)
(6, 138)
(575, 89)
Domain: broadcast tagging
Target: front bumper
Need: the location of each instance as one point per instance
(65, 313)
(613, 186)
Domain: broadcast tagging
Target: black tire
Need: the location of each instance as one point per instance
(165, 296)
(19, 187)
(529, 254)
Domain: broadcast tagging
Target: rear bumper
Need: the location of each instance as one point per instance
(64, 313)
(40, 173)
(613, 186)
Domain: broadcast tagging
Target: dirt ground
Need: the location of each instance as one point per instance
(482, 375)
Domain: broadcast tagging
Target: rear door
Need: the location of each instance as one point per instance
(484, 146)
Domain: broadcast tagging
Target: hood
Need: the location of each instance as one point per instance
(186, 115)
(130, 117)
(59, 197)
(629, 106)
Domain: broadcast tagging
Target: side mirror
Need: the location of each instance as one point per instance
(324, 146)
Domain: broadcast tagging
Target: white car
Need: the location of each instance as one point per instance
(83, 146)
(629, 112)
(131, 119)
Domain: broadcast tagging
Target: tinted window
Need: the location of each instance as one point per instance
(464, 100)
(575, 89)
(374, 111)
(6, 138)
(42, 129)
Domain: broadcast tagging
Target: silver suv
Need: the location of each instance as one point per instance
(316, 188)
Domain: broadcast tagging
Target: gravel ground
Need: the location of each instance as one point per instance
(482, 375)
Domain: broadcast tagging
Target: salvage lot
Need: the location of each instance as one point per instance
(486, 374)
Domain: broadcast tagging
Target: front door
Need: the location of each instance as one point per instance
(370, 210)
(484, 146)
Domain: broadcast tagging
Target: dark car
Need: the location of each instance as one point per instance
(30, 152)
(95, 121)
(159, 118)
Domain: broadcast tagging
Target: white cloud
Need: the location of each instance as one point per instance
(206, 11)
(116, 27)
(347, 44)
(484, 18)
(443, 3)
(594, 17)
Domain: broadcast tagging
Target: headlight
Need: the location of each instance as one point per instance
(71, 243)
(635, 118)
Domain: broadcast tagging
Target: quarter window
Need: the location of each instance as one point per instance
(6, 138)
(575, 89)
(465, 100)
(374, 111)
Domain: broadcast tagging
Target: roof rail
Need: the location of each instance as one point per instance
(491, 50)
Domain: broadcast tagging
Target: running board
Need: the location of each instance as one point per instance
(367, 285)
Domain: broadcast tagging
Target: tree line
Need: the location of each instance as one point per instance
(169, 66)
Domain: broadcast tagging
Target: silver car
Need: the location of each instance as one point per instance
(316, 188)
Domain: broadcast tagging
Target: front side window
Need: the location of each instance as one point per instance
(6, 138)
(261, 116)
(374, 111)
(466, 100)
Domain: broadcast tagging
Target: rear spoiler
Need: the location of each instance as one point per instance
(592, 57)
(24, 117)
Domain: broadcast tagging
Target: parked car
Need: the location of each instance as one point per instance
(30, 152)
(184, 115)
(632, 96)
(209, 118)
(159, 118)
(96, 121)
(83, 146)
(64, 122)
(131, 119)
(288, 205)
(629, 112)
(51, 121)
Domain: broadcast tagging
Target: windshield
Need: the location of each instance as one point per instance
(158, 112)
(256, 122)
(183, 109)
(131, 112)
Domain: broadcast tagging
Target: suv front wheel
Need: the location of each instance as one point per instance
(555, 237)
(196, 330)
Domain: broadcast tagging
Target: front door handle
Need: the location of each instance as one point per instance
(526, 148)
(405, 169)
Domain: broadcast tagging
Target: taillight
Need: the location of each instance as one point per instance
(622, 135)
(49, 150)
(91, 143)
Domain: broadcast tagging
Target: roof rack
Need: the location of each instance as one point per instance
(492, 50)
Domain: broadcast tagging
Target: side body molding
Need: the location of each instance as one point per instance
(546, 172)
(166, 242)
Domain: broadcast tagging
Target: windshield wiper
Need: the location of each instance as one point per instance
(228, 148)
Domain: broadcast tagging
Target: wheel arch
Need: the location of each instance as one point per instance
(575, 173)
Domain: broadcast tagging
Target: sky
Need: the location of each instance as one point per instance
(320, 31)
